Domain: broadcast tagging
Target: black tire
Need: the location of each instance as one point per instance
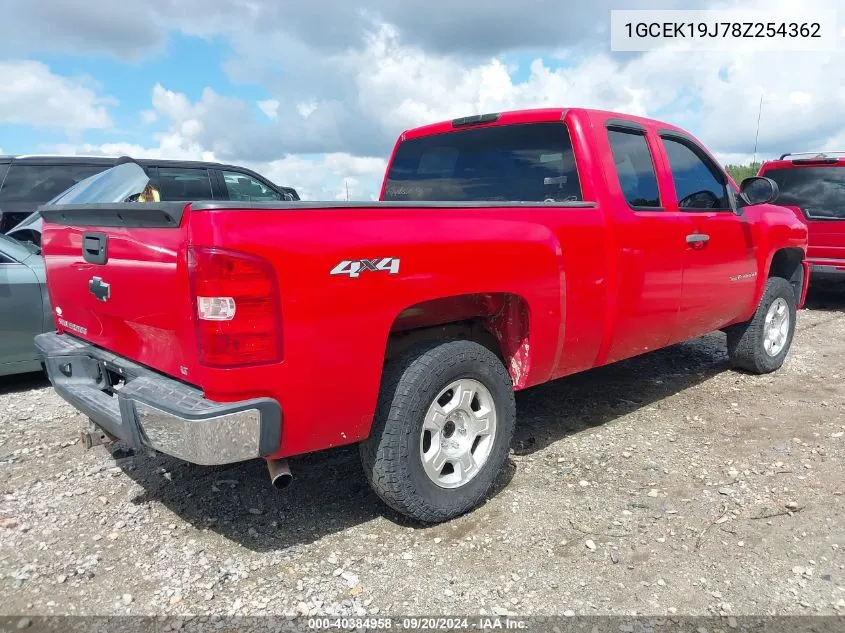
(391, 455)
(746, 340)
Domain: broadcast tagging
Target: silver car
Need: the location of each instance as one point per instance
(24, 305)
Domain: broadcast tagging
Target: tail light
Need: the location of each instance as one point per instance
(236, 306)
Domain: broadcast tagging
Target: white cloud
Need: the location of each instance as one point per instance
(332, 115)
(266, 31)
(716, 95)
(325, 177)
(30, 94)
(270, 107)
(306, 109)
(406, 87)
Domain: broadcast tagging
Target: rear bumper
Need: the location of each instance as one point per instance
(154, 411)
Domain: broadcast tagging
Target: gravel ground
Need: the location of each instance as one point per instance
(664, 484)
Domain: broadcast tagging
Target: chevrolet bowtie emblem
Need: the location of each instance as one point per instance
(99, 288)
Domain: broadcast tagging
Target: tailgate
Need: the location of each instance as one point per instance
(117, 278)
(827, 239)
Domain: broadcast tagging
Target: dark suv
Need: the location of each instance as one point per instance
(29, 181)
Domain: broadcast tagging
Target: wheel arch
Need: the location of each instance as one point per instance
(500, 321)
(788, 263)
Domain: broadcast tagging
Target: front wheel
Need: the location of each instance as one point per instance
(442, 430)
(761, 344)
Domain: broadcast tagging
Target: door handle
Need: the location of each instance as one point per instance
(95, 247)
(697, 238)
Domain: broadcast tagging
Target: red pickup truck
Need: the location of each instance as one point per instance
(813, 185)
(507, 250)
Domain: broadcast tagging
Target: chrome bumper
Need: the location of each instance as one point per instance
(146, 409)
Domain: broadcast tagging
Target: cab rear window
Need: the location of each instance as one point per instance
(531, 162)
(818, 191)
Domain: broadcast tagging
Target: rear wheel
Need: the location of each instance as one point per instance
(442, 431)
(760, 346)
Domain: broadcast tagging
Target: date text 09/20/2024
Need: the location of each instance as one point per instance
(486, 623)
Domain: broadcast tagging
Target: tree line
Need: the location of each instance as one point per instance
(740, 172)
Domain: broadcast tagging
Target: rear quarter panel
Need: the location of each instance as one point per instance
(335, 328)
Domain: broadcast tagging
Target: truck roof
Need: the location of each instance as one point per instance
(82, 159)
(533, 115)
(64, 159)
(805, 159)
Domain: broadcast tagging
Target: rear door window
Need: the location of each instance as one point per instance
(635, 169)
(818, 191)
(184, 184)
(531, 162)
(41, 183)
(243, 187)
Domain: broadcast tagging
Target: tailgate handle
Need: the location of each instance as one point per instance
(95, 247)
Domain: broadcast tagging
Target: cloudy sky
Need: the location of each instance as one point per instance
(314, 93)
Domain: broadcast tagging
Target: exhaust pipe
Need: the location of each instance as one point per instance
(280, 475)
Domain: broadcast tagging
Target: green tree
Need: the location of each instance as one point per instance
(741, 172)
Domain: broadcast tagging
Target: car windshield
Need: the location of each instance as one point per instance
(32, 248)
(818, 191)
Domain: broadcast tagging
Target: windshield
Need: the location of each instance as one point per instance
(527, 163)
(818, 191)
(29, 246)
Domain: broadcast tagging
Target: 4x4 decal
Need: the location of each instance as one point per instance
(355, 268)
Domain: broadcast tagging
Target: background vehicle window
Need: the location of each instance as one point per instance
(528, 163)
(9, 245)
(243, 187)
(818, 191)
(635, 168)
(40, 183)
(696, 185)
(184, 183)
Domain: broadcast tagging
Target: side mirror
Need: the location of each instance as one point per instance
(757, 190)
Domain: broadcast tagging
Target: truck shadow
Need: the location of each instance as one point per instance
(826, 298)
(23, 382)
(329, 493)
(550, 412)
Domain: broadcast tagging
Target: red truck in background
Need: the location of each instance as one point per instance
(506, 250)
(813, 185)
